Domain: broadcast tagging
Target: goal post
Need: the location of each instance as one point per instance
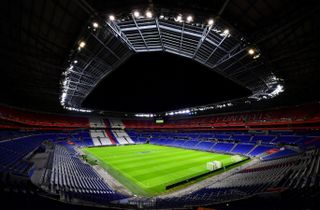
(214, 165)
(236, 158)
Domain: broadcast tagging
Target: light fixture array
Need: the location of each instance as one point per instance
(211, 43)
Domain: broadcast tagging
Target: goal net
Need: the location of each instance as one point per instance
(214, 165)
(236, 158)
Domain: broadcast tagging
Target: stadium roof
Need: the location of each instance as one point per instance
(37, 38)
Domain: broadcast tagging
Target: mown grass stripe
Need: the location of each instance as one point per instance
(148, 169)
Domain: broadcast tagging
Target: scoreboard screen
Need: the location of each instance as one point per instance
(159, 121)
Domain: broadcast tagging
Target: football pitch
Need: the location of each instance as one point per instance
(150, 169)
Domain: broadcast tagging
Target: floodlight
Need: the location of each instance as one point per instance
(112, 18)
(210, 22)
(189, 18)
(149, 14)
(136, 14)
(161, 16)
(64, 95)
(82, 44)
(95, 24)
(226, 31)
(178, 18)
(251, 51)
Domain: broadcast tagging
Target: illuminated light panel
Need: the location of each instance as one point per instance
(136, 14)
(82, 44)
(178, 18)
(251, 51)
(210, 22)
(149, 14)
(112, 17)
(95, 24)
(189, 19)
(74, 92)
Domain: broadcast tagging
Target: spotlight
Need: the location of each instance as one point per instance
(210, 22)
(149, 14)
(189, 18)
(95, 25)
(112, 18)
(75, 61)
(161, 16)
(136, 14)
(82, 44)
(251, 51)
(179, 18)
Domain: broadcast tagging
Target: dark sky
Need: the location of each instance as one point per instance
(155, 82)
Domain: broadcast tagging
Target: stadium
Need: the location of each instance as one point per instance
(153, 104)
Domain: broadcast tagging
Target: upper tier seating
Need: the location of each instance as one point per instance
(299, 117)
(272, 118)
(40, 119)
(97, 122)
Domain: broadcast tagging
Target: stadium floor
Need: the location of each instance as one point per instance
(148, 169)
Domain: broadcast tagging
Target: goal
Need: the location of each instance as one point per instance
(236, 158)
(214, 165)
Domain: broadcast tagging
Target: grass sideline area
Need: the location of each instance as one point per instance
(148, 169)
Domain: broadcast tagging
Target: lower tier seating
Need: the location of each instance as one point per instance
(76, 179)
(295, 172)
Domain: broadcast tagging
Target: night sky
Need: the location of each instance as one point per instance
(155, 82)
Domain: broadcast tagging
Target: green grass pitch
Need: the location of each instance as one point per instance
(147, 169)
